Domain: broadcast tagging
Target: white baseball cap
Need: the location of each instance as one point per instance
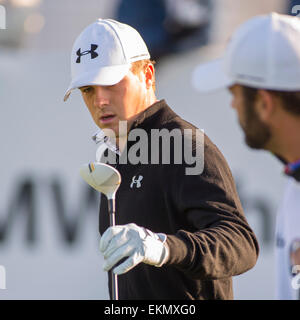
(103, 52)
(264, 52)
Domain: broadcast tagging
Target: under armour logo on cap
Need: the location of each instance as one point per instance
(136, 182)
(93, 53)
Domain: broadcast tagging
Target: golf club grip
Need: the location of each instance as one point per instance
(111, 210)
(114, 277)
(114, 286)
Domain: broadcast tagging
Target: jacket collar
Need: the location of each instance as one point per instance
(293, 170)
(155, 115)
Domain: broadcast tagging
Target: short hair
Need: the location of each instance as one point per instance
(140, 65)
(289, 100)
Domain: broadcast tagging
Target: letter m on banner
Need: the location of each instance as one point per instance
(2, 17)
(2, 277)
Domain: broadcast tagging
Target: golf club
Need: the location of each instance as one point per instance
(106, 179)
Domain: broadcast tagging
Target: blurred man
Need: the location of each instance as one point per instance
(179, 235)
(261, 68)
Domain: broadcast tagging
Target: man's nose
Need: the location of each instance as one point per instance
(100, 97)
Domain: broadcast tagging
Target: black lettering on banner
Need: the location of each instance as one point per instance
(261, 208)
(25, 202)
(22, 208)
(70, 226)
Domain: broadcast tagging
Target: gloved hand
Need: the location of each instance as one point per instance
(136, 243)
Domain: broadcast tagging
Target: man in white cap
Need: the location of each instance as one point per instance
(178, 235)
(261, 68)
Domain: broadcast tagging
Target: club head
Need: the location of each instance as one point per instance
(101, 177)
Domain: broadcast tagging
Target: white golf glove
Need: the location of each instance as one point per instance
(136, 243)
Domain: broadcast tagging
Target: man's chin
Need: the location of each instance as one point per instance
(253, 143)
(257, 135)
(114, 130)
(110, 130)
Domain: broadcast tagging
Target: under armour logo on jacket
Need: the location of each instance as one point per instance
(136, 182)
(93, 53)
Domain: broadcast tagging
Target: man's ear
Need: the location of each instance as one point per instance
(149, 75)
(265, 105)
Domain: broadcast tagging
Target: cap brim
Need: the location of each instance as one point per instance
(210, 76)
(105, 76)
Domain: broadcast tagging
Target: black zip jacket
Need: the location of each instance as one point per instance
(207, 233)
